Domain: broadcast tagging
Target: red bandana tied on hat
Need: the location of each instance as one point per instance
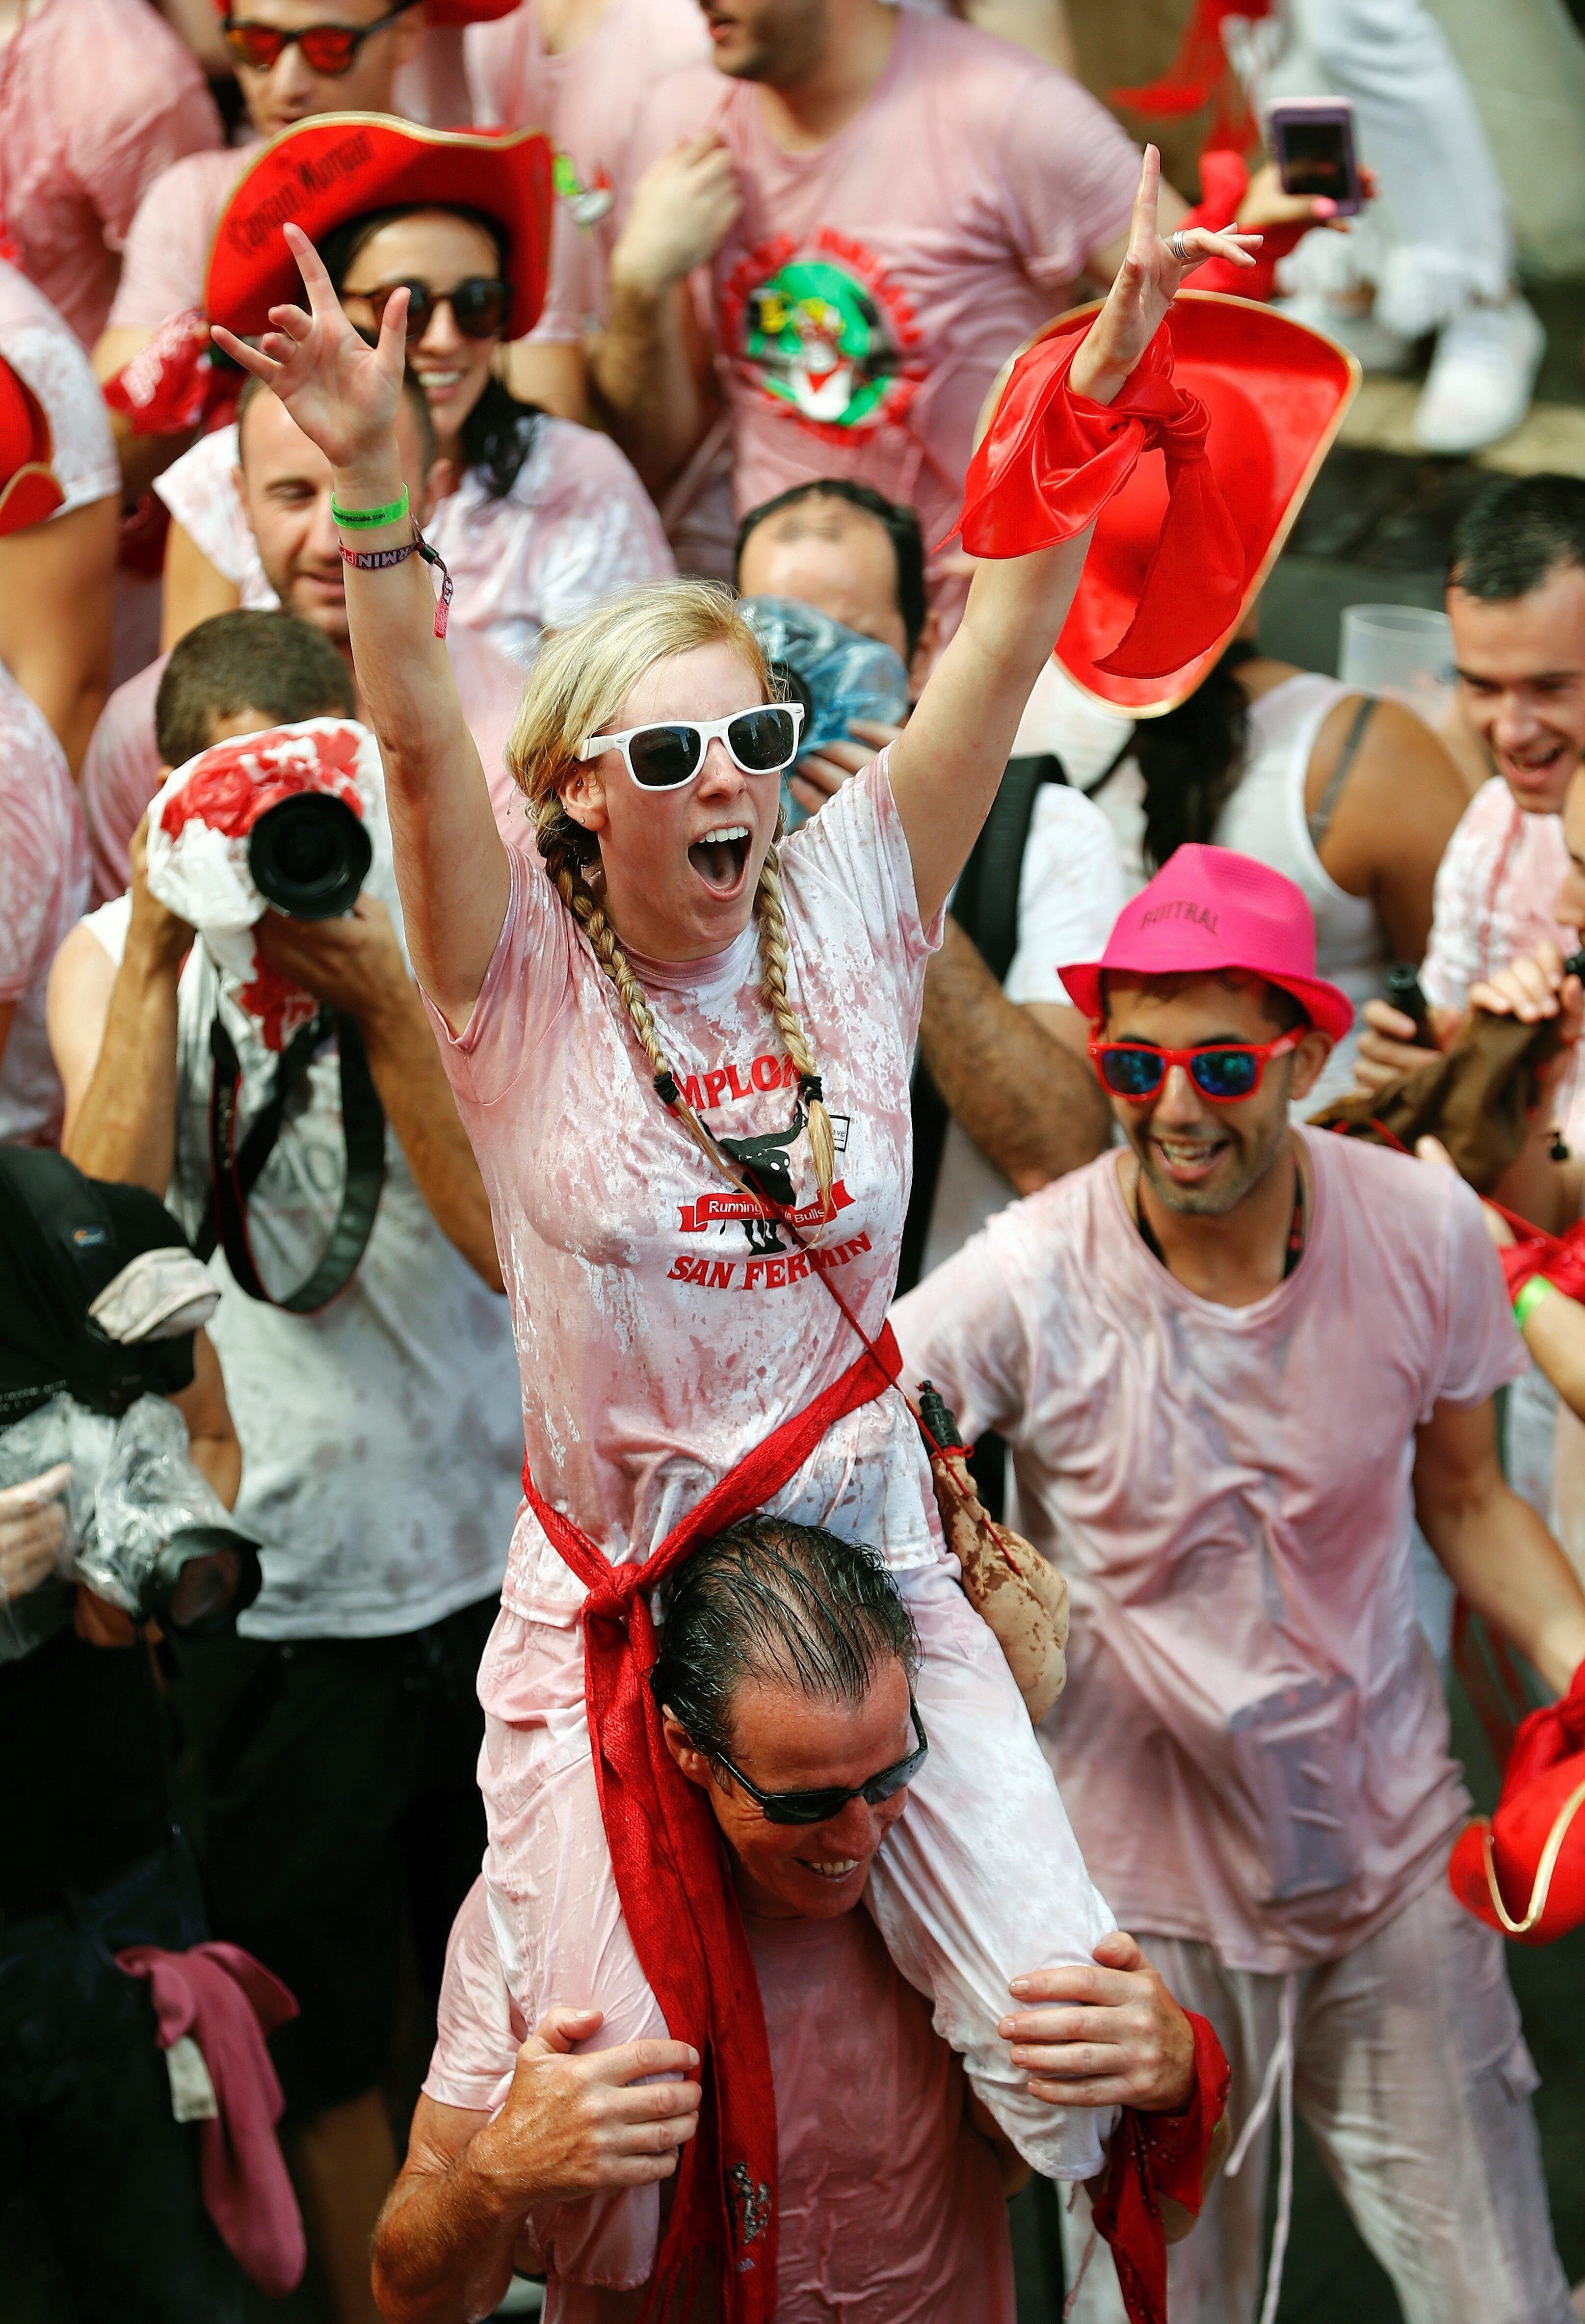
(1050, 461)
(671, 1875)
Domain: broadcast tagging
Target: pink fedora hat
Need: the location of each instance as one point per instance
(1209, 909)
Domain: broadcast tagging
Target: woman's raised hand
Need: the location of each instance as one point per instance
(1145, 286)
(342, 393)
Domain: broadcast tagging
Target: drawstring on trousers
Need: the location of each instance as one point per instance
(1280, 2072)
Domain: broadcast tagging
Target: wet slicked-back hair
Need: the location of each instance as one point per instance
(778, 1603)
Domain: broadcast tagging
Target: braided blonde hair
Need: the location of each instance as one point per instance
(581, 679)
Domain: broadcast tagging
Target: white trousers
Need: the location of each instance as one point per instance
(980, 1879)
(1438, 231)
(1412, 2076)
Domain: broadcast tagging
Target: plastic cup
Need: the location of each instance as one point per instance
(1403, 652)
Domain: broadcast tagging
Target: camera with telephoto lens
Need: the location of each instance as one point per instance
(144, 1529)
(839, 675)
(310, 856)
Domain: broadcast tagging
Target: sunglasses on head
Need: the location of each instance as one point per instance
(478, 304)
(329, 50)
(762, 742)
(819, 1807)
(1222, 1071)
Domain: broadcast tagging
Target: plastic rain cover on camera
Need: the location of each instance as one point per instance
(133, 1488)
(837, 673)
(161, 1294)
(200, 827)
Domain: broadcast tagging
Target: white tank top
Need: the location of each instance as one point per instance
(1265, 819)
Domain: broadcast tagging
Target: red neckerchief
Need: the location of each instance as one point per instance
(1153, 2155)
(675, 1896)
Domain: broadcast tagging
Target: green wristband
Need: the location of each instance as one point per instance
(1530, 1297)
(366, 519)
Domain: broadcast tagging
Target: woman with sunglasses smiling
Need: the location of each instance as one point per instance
(682, 1051)
(539, 518)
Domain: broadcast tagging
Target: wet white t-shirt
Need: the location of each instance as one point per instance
(660, 1332)
(381, 1441)
(1253, 1742)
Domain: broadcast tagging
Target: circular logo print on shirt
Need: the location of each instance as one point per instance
(823, 332)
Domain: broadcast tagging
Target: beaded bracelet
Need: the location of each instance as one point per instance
(1531, 1295)
(366, 519)
(380, 560)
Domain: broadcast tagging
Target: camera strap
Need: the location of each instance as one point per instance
(235, 1172)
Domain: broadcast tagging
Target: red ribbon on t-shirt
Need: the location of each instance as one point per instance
(1153, 2155)
(1050, 461)
(676, 1897)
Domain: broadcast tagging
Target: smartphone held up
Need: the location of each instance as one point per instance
(1312, 142)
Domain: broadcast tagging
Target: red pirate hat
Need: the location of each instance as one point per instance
(336, 166)
(1276, 394)
(30, 490)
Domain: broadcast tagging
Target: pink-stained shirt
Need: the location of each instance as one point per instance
(591, 100)
(36, 343)
(122, 769)
(97, 98)
(661, 1333)
(871, 289)
(1253, 1744)
(576, 527)
(167, 262)
(891, 2210)
(43, 894)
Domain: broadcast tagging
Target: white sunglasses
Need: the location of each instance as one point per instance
(762, 742)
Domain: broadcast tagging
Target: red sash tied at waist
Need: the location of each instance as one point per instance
(1050, 461)
(670, 1875)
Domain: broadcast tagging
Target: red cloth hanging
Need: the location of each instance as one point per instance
(1153, 2155)
(675, 1895)
(1199, 71)
(1051, 460)
(1224, 180)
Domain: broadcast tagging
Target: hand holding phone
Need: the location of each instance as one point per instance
(1311, 141)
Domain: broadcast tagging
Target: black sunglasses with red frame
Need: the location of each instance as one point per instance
(328, 49)
(1225, 1071)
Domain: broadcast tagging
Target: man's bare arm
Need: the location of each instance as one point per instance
(1015, 1077)
(1495, 1550)
(112, 1035)
(56, 583)
(650, 368)
(459, 2214)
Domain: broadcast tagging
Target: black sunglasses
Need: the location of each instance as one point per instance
(479, 305)
(819, 1807)
(329, 50)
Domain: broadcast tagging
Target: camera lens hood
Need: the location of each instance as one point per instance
(202, 1580)
(309, 856)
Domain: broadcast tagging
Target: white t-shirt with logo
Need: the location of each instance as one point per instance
(1071, 890)
(661, 1331)
(381, 1441)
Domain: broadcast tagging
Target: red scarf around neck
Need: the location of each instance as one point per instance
(675, 1895)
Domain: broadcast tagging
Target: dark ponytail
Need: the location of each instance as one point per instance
(1191, 759)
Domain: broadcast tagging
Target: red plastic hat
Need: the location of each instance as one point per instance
(336, 166)
(1523, 1871)
(1209, 909)
(1276, 394)
(30, 490)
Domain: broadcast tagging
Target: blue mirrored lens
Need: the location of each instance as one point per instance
(1132, 1073)
(1225, 1072)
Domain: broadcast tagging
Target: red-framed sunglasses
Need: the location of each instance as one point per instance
(330, 49)
(1222, 1071)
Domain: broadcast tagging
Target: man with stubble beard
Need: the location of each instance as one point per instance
(292, 560)
(1233, 1362)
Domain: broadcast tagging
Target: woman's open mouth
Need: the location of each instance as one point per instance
(721, 857)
